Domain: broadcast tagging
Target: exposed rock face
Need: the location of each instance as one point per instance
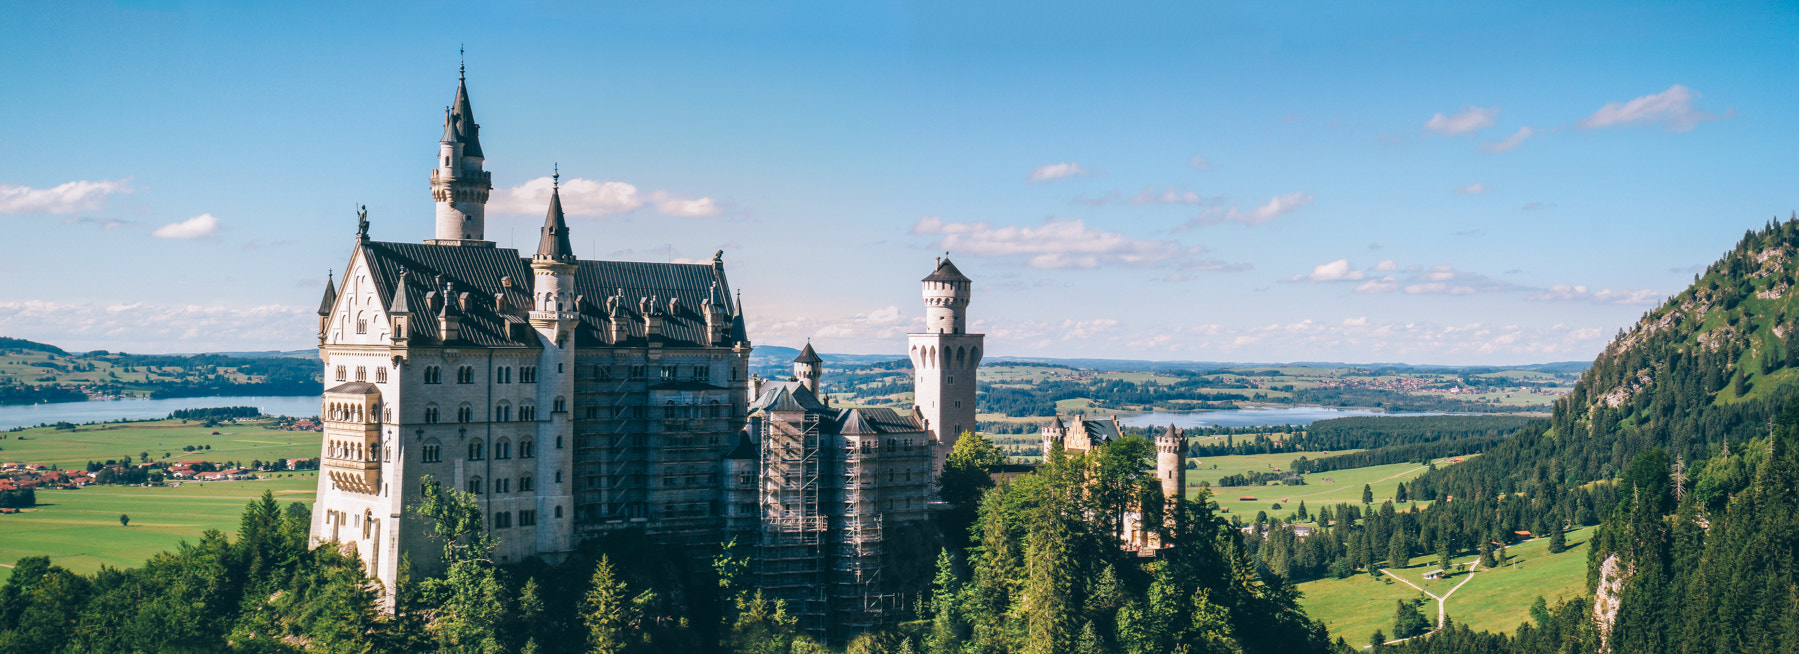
(1606, 598)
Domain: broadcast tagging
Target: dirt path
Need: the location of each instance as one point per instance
(1442, 600)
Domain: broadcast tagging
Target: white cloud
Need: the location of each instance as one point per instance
(1057, 243)
(1580, 293)
(1169, 195)
(681, 207)
(1476, 188)
(144, 327)
(1199, 163)
(68, 197)
(200, 226)
(1386, 266)
(1276, 207)
(1510, 141)
(1672, 109)
(1335, 271)
(1467, 120)
(587, 197)
(1057, 171)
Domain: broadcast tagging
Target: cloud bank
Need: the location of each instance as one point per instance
(588, 197)
(68, 197)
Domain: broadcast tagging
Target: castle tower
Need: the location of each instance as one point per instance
(458, 183)
(945, 358)
(807, 368)
(1171, 462)
(554, 315)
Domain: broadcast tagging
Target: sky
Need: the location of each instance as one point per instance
(1417, 182)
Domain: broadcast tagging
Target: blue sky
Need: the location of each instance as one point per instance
(1418, 182)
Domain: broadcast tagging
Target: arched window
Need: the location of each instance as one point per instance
(713, 409)
(465, 375)
(465, 413)
(431, 414)
(526, 449)
(526, 484)
(502, 449)
(434, 375)
(431, 452)
(342, 373)
(560, 405)
(503, 412)
(527, 411)
(475, 486)
(476, 450)
(380, 374)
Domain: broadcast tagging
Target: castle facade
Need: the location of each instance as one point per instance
(573, 398)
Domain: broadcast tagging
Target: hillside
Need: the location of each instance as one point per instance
(33, 372)
(1693, 413)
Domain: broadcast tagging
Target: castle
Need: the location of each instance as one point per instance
(1080, 434)
(573, 398)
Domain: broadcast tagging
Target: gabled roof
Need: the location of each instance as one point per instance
(690, 283)
(808, 355)
(1099, 431)
(787, 396)
(877, 421)
(946, 272)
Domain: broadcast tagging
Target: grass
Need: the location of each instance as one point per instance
(1345, 486)
(1496, 600)
(79, 529)
(72, 449)
(1353, 608)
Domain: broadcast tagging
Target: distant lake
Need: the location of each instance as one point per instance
(1253, 416)
(26, 415)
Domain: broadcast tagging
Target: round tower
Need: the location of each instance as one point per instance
(946, 295)
(807, 368)
(1171, 462)
(458, 184)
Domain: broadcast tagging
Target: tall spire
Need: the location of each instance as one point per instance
(330, 300)
(466, 129)
(554, 245)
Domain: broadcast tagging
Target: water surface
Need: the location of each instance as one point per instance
(26, 415)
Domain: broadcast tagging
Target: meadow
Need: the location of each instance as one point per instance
(1321, 489)
(80, 530)
(1497, 599)
(161, 439)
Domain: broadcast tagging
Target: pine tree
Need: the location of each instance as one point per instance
(1367, 494)
(1558, 541)
(1443, 560)
(1399, 553)
(606, 612)
(1301, 512)
(1399, 495)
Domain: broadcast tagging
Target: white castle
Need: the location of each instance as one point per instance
(574, 398)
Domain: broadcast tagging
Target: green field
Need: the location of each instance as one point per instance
(79, 529)
(1495, 600)
(1345, 486)
(72, 449)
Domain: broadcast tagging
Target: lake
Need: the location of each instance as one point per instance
(1253, 416)
(26, 415)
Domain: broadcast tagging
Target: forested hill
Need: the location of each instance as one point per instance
(1693, 414)
(1711, 365)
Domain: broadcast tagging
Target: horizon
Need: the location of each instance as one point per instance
(1449, 186)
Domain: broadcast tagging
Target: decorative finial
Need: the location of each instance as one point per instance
(555, 175)
(461, 62)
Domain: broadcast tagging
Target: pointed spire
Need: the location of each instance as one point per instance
(464, 114)
(450, 128)
(554, 245)
(399, 302)
(330, 300)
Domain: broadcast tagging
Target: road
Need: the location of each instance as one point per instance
(1442, 601)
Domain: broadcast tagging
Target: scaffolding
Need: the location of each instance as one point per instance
(790, 554)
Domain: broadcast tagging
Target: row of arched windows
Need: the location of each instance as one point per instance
(500, 486)
(961, 357)
(346, 412)
(502, 412)
(502, 449)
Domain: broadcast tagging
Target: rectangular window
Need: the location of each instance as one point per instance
(702, 372)
(590, 412)
(527, 518)
(502, 519)
(602, 373)
(362, 326)
(668, 372)
(637, 372)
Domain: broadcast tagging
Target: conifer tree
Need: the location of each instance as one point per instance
(1399, 553)
(1367, 494)
(606, 611)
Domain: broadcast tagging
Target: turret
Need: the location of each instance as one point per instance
(400, 312)
(807, 368)
(325, 307)
(553, 305)
(458, 184)
(946, 296)
(1171, 455)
